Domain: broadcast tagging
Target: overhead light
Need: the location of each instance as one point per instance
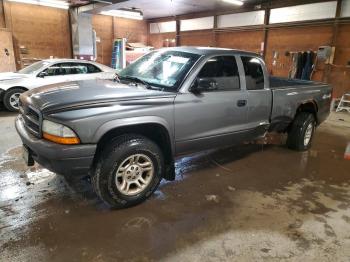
(234, 2)
(125, 13)
(50, 3)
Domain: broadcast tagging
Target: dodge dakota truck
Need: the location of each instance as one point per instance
(126, 133)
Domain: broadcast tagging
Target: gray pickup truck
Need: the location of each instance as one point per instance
(125, 134)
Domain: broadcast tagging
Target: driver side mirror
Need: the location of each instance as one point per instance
(204, 84)
(42, 74)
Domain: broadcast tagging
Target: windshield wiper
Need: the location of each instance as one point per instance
(136, 80)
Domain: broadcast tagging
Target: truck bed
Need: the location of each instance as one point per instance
(289, 94)
(282, 83)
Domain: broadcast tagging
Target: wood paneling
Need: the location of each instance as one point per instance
(158, 40)
(244, 40)
(43, 31)
(103, 25)
(295, 39)
(7, 56)
(340, 74)
(2, 15)
(133, 30)
(109, 28)
(342, 54)
(197, 38)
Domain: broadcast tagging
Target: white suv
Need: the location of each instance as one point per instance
(48, 72)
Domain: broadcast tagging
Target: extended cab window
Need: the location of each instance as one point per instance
(254, 74)
(223, 71)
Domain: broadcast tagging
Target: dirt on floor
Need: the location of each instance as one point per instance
(253, 202)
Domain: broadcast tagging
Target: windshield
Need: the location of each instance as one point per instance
(165, 69)
(33, 67)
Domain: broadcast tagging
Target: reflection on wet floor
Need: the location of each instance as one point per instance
(247, 202)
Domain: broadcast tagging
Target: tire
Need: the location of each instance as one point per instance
(302, 132)
(116, 158)
(9, 102)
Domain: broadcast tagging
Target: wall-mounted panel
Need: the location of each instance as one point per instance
(345, 9)
(303, 12)
(162, 27)
(197, 23)
(241, 19)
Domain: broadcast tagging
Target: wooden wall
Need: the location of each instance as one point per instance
(197, 38)
(103, 25)
(44, 31)
(245, 40)
(133, 30)
(7, 58)
(2, 17)
(109, 28)
(340, 73)
(159, 40)
(295, 39)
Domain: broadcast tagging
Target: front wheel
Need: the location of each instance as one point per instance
(302, 132)
(11, 99)
(128, 171)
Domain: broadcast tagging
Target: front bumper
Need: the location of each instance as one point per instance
(61, 159)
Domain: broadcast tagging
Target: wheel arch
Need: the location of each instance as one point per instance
(153, 130)
(5, 94)
(309, 106)
(19, 87)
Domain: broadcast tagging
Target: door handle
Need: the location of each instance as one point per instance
(241, 103)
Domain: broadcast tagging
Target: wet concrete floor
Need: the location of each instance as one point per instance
(252, 202)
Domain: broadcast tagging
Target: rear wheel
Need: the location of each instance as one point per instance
(128, 171)
(11, 99)
(301, 134)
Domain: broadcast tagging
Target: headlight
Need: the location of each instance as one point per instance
(59, 133)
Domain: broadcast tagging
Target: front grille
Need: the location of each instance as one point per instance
(32, 119)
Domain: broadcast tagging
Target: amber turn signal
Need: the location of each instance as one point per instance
(62, 140)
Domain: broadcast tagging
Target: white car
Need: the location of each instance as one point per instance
(48, 72)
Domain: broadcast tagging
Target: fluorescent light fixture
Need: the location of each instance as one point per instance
(131, 14)
(234, 2)
(50, 3)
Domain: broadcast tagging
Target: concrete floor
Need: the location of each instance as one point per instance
(249, 203)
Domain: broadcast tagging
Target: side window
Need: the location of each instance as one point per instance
(77, 68)
(254, 74)
(223, 70)
(93, 69)
(53, 70)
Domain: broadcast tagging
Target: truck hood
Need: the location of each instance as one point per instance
(89, 93)
(8, 76)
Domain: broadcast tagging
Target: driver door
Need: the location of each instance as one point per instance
(215, 117)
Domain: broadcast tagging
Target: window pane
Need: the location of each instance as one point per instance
(53, 70)
(223, 70)
(254, 74)
(92, 69)
(78, 68)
